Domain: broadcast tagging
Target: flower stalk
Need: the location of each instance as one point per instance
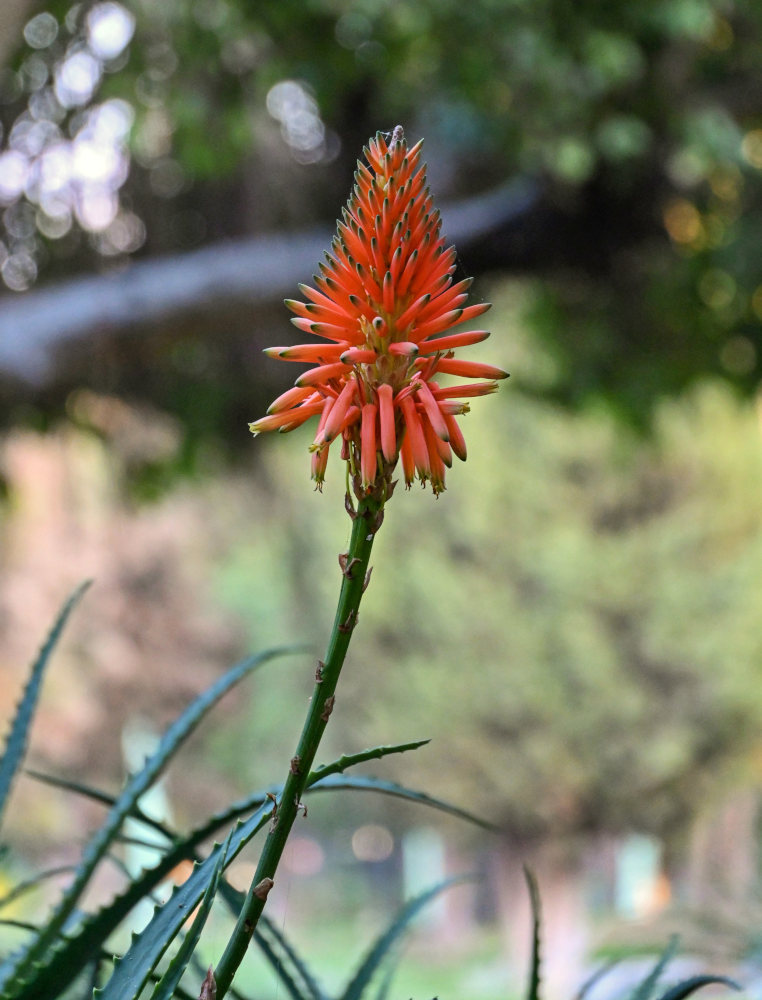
(381, 308)
(355, 565)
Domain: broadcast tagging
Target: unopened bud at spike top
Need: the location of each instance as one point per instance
(383, 303)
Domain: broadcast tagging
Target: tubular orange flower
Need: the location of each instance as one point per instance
(383, 300)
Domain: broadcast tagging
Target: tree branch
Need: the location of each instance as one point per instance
(257, 270)
(13, 14)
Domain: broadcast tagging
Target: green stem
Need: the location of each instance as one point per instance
(364, 527)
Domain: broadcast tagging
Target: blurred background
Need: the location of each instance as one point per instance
(575, 623)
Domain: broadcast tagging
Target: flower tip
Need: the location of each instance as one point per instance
(404, 348)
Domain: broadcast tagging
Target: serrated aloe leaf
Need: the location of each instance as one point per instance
(533, 988)
(165, 988)
(15, 744)
(264, 934)
(350, 760)
(21, 966)
(684, 989)
(645, 989)
(133, 969)
(381, 947)
(364, 783)
(103, 957)
(69, 955)
(94, 976)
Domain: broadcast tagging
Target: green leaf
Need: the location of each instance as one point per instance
(165, 988)
(684, 989)
(27, 963)
(71, 952)
(103, 957)
(15, 745)
(380, 949)
(350, 760)
(533, 991)
(133, 969)
(364, 783)
(645, 989)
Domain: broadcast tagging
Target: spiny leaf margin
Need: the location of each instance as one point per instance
(165, 988)
(16, 742)
(33, 956)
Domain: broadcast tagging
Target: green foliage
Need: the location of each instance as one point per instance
(366, 783)
(71, 943)
(133, 969)
(381, 948)
(688, 986)
(635, 113)
(646, 988)
(607, 600)
(351, 760)
(166, 986)
(15, 744)
(68, 945)
(36, 956)
(609, 595)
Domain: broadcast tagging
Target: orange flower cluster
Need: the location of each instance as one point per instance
(381, 306)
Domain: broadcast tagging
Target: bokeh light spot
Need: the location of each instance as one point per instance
(738, 356)
(303, 856)
(19, 271)
(372, 843)
(751, 148)
(76, 78)
(291, 103)
(352, 29)
(110, 28)
(41, 31)
(13, 172)
(682, 221)
(717, 288)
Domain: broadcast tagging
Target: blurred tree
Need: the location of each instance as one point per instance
(576, 621)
